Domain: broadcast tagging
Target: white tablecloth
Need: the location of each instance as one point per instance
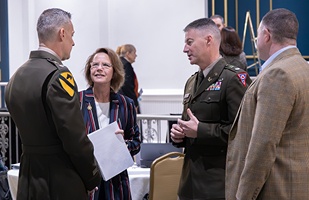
(139, 181)
(13, 181)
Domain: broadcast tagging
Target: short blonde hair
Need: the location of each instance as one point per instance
(118, 76)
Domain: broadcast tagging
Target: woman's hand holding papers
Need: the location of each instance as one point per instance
(120, 131)
(91, 192)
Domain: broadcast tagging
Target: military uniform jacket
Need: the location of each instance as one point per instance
(122, 110)
(57, 160)
(215, 103)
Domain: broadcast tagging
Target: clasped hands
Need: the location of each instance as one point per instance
(185, 128)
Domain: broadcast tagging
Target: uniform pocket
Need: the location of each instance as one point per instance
(210, 97)
(210, 101)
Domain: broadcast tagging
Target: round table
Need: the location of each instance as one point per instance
(139, 181)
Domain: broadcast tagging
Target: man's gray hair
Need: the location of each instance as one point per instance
(217, 16)
(282, 25)
(207, 25)
(49, 23)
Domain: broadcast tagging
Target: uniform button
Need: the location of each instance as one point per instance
(193, 102)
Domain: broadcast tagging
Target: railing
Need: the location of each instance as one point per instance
(10, 146)
(156, 128)
(153, 128)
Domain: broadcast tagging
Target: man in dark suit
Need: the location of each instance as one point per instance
(42, 98)
(211, 100)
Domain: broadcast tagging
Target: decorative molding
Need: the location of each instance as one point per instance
(225, 12)
(213, 7)
(4, 141)
(257, 13)
(236, 16)
(158, 101)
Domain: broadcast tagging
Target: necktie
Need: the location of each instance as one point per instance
(200, 78)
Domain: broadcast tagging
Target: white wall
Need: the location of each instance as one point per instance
(154, 27)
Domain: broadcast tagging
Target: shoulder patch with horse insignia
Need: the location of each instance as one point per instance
(67, 82)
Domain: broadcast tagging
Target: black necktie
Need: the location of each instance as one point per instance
(200, 78)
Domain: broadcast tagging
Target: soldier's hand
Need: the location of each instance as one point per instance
(189, 127)
(177, 134)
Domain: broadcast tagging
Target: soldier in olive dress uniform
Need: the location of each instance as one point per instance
(57, 160)
(211, 100)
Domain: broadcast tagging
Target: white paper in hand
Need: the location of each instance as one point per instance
(110, 151)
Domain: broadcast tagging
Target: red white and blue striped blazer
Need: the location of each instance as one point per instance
(122, 110)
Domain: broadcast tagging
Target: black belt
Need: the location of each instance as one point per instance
(52, 149)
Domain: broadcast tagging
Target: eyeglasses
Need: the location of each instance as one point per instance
(96, 65)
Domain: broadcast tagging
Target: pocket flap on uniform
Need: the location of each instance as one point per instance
(209, 97)
(186, 98)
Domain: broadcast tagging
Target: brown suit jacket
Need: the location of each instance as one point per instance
(268, 148)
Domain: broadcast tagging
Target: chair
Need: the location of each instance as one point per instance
(165, 174)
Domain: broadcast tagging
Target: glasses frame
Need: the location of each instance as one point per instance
(103, 65)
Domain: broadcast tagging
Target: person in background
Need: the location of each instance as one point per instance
(218, 19)
(211, 99)
(127, 53)
(268, 152)
(42, 97)
(231, 48)
(101, 105)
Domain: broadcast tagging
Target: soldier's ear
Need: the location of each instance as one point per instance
(61, 34)
(208, 39)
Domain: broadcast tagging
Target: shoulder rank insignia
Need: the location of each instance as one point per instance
(67, 82)
(242, 77)
(214, 86)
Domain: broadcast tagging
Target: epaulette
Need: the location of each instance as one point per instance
(65, 78)
(194, 73)
(242, 75)
(233, 68)
(55, 63)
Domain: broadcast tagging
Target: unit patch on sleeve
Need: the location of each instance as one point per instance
(67, 82)
(243, 77)
(215, 86)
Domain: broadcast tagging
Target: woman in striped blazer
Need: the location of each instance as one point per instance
(101, 105)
